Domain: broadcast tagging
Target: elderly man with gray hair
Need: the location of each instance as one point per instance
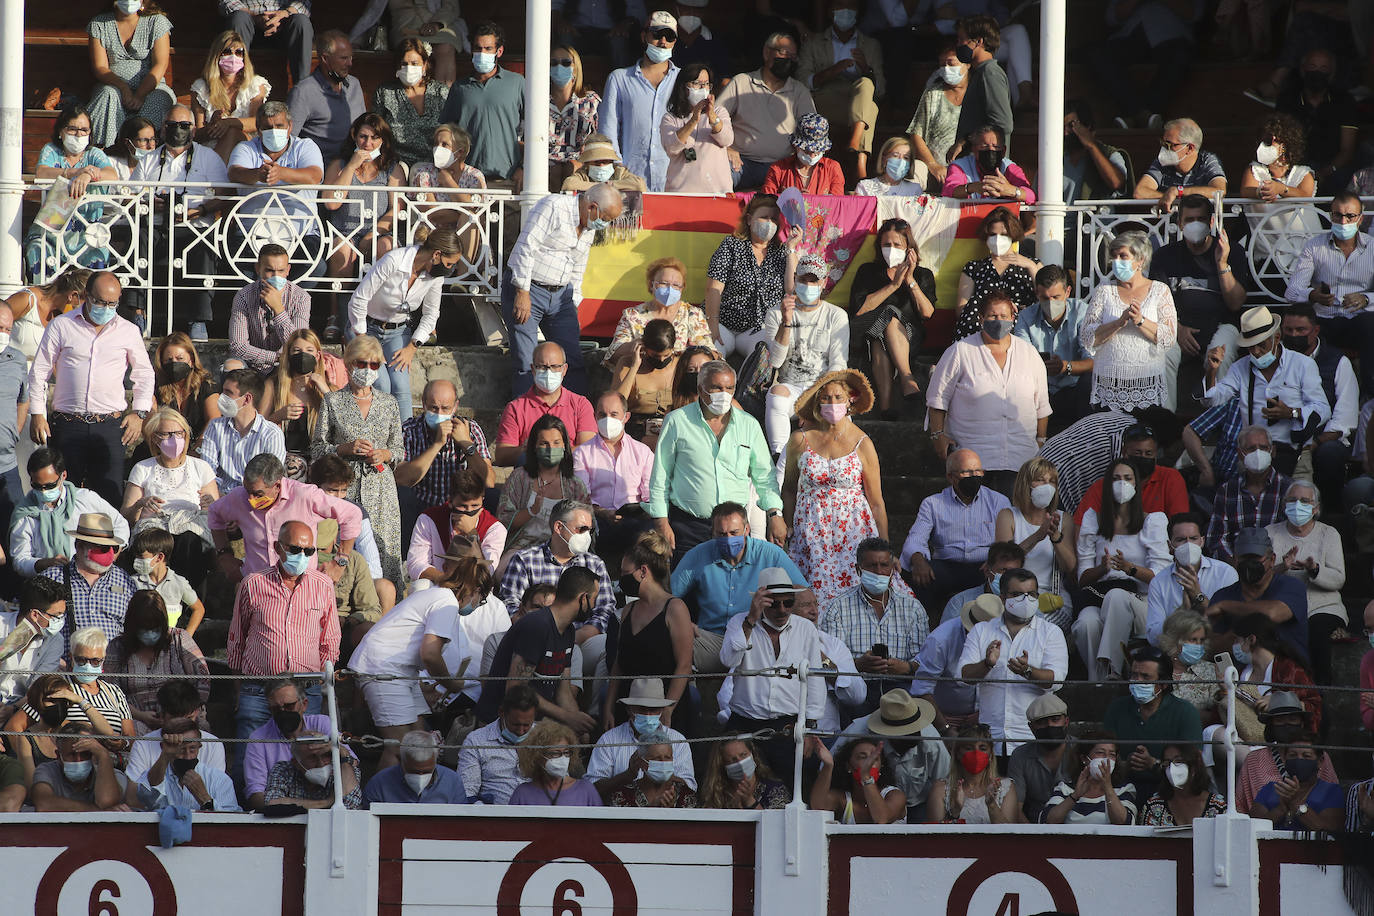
(1182, 166)
(418, 779)
(709, 453)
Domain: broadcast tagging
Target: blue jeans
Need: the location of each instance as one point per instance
(395, 382)
(252, 714)
(751, 174)
(553, 312)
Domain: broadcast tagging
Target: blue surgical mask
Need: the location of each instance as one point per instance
(1191, 653)
(667, 296)
(1299, 513)
(561, 74)
(54, 626)
(274, 139)
(1143, 691)
(995, 586)
(1265, 361)
(511, 737)
(659, 771)
(809, 293)
(467, 609)
(86, 674)
(1123, 269)
(600, 173)
(1240, 653)
(483, 61)
(874, 583)
(276, 282)
(50, 494)
(1345, 231)
(844, 19)
(656, 54)
(598, 224)
(294, 564)
(730, 545)
(149, 637)
(896, 168)
(432, 420)
(101, 314)
(77, 770)
(646, 724)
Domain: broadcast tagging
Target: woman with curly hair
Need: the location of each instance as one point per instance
(736, 777)
(1277, 173)
(862, 790)
(553, 768)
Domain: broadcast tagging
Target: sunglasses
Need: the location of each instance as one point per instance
(1139, 431)
(560, 62)
(664, 33)
(232, 52)
(366, 364)
(186, 124)
(89, 659)
(469, 513)
(293, 550)
(784, 602)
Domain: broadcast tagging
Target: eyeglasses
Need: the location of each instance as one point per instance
(703, 84)
(79, 131)
(175, 434)
(466, 513)
(186, 124)
(1172, 144)
(664, 33)
(294, 550)
(367, 364)
(1346, 217)
(95, 300)
(148, 142)
(548, 367)
(233, 52)
(579, 529)
(88, 659)
(784, 602)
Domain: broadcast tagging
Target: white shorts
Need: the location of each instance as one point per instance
(394, 702)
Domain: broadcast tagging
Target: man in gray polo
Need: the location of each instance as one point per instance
(325, 104)
(490, 106)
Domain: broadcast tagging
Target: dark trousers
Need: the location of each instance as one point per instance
(950, 577)
(1328, 470)
(1070, 405)
(554, 312)
(1319, 630)
(94, 453)
(1001, 481)
(614, 539)
(1111, 62)
(779, 753)
(296, 35)
(688, 532)
(11, 493)
(1358, 331)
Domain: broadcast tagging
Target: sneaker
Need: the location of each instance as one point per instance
(332, 334)
(199, 334)
(1258, 95)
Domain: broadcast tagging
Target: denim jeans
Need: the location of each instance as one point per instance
(252, 714)
(554, 312)
(395, 382)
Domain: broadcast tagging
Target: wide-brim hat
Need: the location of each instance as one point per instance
(1257, 325)
(859, 390)
(95, 528)
(775, 579)
(463, 547)
(812, 134)
(648, 693)
(899, 713)
(1282, 703)
(984, 607)
(597, 151)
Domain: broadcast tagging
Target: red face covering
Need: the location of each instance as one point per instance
(975, 761)
(102, 556)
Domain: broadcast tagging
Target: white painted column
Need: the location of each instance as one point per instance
(537, 47)
(11, 139)
(1049, 233)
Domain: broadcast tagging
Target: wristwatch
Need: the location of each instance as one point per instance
(469, 450)
(774, 513)
(1297, 413)
(1301, 809)
(221, 551)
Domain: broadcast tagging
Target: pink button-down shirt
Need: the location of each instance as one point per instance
(299, 502)
(89, 361)
(614, 480)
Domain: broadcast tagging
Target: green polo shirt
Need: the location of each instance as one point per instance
(493, 114)
(696, 473)
(1174, 720)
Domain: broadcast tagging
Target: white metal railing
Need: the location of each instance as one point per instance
(123, 226)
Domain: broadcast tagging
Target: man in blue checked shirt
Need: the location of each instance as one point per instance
(1051, 326)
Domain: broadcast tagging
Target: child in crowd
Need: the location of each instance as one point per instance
(150, 549)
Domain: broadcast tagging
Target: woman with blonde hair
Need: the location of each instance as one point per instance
(185, 385)
(173, 490)
(737, 778)
(574, 112)
(412, 102)
(973, 793)
(1036, 523)
(1184, 640)
(554, 769)
(34, 306)
(666, 279)
(292, 395)
(226, 98)
(446, 167)
(362, 425)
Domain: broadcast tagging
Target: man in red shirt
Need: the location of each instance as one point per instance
(1163, 489)
(549, 365)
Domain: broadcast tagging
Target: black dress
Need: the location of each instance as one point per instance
(900, 305)
(649, 653)
(1016, 280)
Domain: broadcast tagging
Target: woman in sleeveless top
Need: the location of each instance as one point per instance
(831, 483)
(861, 793)
(644, 374)
(656, 632)
(973, 793)
(35, 306)
(1035, 522)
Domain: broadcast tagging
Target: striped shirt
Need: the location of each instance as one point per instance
(1083, 452)
(552, 249)
(436, 486)
(1235, 507)
(1320, 261)
(227, 452)
(100, 605)
(1354, 821)
(276, 629)
(110, 702)
(1090, 810)
(903, 628)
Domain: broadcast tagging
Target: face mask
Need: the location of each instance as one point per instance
(301, 363)
(809, 293)
(150, 637)
(128, 7)
(1102, 767)
(50, 494)
(999, 245)
(1042, 495)
(598, 224)
(997, 328)
(667, 296)
(579, 542)
(550, 456)
(1316, 80)
(1195, 231)
(1344, 231)
(775, 626)
(1265, 361)
(175, 136)
(1257, 462)
(557, 767)
(975, 761)
(433, 420)
(1241, 654)
(1250, 570)
(287, 721)
(443, 157)
(511, 737)
(87, 673)
(484, 61)
(54, 715)
(834, 413)
(143, 155)
(629, 585)
(719, 402)
(656, 54)
(1296, 343)
(418, 781)
(1123, 269)
(610, 427)
(176, 371)
(731, 545)
(989, 160)
(261, 502)
(965, 54)
(844, 19)
(1122, 491)
(548, 380)
(1051, 732)
(600, 173)
(101, 314)
(1266, 154)
(228, 407)
(688, 24)
(782, 67)
(294, 564)
(75, 144)
(952, 74)
(697, 96)
(1167, 157)
(1142, 691)
(1302, 769)
(1190, 653)
(892, 255)
(172, 447)
(274, 139)
(646, 724)
(410, 74)
(1022, 607)
(561, 74)
(660, 771)
(320, 776)
(874, 583)
(763, 229)
(968, 487)
(230, 64)
(101, 557)
(740, 769)
(77, 770)
(54, 626)
(1299, 513)
(363, 377)
(1188, 554)
(1054, 309)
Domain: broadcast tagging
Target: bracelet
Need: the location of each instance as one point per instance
(1057, 540)
(935, 434)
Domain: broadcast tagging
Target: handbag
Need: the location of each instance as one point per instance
(1099, 589)
(756, 376)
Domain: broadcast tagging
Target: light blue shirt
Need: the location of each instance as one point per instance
(1166, 595)
(946, 529)
(631, 109)
(227, 452)
(296, 206)
(171, 792)
(719, 588)
(1034, 327)
(939, 657)
(955, 606)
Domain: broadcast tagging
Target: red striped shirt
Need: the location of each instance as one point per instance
(276, 630)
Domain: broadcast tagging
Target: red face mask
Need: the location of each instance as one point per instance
(103, 556)
(975, 761)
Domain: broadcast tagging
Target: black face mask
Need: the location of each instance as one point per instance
(652, 362)
(783, 67)
(1296, 343)
(901, 745)
(1051, 732)
(438, 269)
(989, 160)
(175, 372)
(1250, 570)
(1144, 467)
(1316, 80)
(301, 363)
(629, 586)
(181, 767)
(287, 721)
(964, 53)
(336, 76)
(689, 383)
(968, 487)
(175, 135)
(54, 714)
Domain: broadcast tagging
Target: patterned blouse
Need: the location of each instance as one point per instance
(936, 121)
(689, 323)
(1016, 280)
(1202, 696)
(569, 128)
(632, 796)
(751, 288)
(1157, 813)
(413, 130)
(517, 494)
(425, 175)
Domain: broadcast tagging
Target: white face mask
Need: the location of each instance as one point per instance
(4, 339)
(418, 781)
(1055, 308)
(143, 567)
(952, 74)
(410, 74)
(1178, 774)
(610, 427)
(1122, 491)
(1195, 231)
(893, 255)
(443, 157)
(688, 23)
(579, 542)
(1187, 554)
(718, 402)
(1021, 607)
(696, 96)
(999, 245)
(363, 377)
(274, 139)
(1042, 495)
(320, 776)
(557, 767)
(1258, 461)
(1167, 157)
(1102, 767)
(75, 144)
(228, 407)
(1266, 154)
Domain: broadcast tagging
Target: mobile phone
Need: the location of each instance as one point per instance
(879, 650)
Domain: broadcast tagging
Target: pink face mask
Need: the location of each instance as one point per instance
(834, 413)
(229, 64)
(172, 446)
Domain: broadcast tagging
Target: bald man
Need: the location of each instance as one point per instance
(549, 365)
(541, 287)
(438, 444)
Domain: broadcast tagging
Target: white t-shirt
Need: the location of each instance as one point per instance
(392, 646)
(178, 487)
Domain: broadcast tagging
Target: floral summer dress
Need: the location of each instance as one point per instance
(832, 517)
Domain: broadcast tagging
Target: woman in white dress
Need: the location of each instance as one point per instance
(1130, 328)
(1034, 521)
(226, 98)
(1279, 230)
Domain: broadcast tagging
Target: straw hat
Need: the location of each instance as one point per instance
(984, 607)
(859, 390)
(597, 148)
(96, 528)
(1256, 326)
(899, 713)
(648, 693)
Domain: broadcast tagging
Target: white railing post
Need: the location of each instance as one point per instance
(792, 816)
(1231, 736)
(1049, 226)
(11, 145)
(332, 704)
(538, 14)
(799, 733)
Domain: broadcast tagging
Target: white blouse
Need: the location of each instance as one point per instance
(178, 487)
(1149, 547)
(243, 99)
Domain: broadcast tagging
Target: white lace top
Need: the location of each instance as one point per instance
(1128, 370)
(246, 94)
